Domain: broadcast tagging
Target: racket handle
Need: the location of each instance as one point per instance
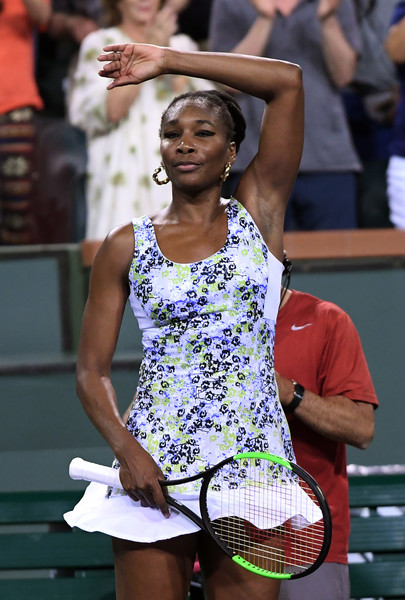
(89, 471)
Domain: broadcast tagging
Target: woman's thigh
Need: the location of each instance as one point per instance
(225, 580)
(154, 571)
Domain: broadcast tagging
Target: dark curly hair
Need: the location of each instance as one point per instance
(229, 110)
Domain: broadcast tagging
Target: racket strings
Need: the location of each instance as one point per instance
(269, 517)
(302, 551)
(236, 534)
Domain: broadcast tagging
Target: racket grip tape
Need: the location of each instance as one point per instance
(89, 471)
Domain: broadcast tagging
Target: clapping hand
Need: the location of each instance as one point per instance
(131, 63)
(265, 8)
(164, 26)
(326, 8)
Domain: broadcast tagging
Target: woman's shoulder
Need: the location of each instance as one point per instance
(117, 248)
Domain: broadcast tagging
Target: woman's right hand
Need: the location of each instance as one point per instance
(131, 63)
(140, 475)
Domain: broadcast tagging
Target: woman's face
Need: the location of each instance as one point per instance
(194, 145)
(139, 11)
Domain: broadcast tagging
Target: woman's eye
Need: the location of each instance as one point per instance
(170, 134)
(205, 133)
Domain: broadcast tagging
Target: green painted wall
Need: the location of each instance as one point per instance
(375, 300)
(43, 426)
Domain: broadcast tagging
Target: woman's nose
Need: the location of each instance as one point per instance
(185, 147)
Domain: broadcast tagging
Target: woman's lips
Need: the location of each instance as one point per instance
(185, 167)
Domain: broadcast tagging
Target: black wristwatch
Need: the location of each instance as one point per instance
(299, 392)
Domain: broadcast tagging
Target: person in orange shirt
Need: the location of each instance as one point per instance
(19, 99)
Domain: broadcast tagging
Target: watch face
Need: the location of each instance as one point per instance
(299, 390)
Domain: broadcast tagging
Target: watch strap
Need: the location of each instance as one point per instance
(299, 392)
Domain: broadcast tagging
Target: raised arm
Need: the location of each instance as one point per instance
(267, 182)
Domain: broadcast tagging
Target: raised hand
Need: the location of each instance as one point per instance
(131, 63)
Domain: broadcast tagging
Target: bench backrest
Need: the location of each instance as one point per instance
(377, 536)
(41, 558)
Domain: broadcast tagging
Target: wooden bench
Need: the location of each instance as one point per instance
(377, 538)
(41, 558)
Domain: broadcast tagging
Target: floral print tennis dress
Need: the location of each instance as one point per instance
(207, 386)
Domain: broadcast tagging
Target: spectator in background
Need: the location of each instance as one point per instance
(318, 346)
(324, 39)
(61, 147)
(123, 148)
(370, 102)
(19, 100)
(395, 46)
(58, 46)
(194, 21)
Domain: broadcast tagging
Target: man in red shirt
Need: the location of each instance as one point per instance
(327, 393)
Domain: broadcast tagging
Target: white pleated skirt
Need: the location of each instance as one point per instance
(124, 518)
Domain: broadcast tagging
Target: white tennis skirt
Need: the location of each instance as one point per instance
(122, 517)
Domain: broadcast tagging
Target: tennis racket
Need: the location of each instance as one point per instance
(268, 514)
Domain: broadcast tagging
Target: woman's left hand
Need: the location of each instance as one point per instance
(131, 63)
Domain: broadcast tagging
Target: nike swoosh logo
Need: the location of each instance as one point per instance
(298, 327)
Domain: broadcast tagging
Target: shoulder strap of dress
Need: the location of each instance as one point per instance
(143, 230)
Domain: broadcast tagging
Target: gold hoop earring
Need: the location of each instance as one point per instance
(156, 175)
(225, 174)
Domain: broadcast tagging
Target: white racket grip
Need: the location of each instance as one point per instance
(89, 471)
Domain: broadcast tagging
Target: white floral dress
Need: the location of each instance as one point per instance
(122, 156)
(207, 386)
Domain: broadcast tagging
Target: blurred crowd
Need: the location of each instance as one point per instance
(76, 160)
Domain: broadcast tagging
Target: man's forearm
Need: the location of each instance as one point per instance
(335, 417)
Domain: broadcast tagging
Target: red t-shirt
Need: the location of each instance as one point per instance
(18, 86)
(318, 346)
